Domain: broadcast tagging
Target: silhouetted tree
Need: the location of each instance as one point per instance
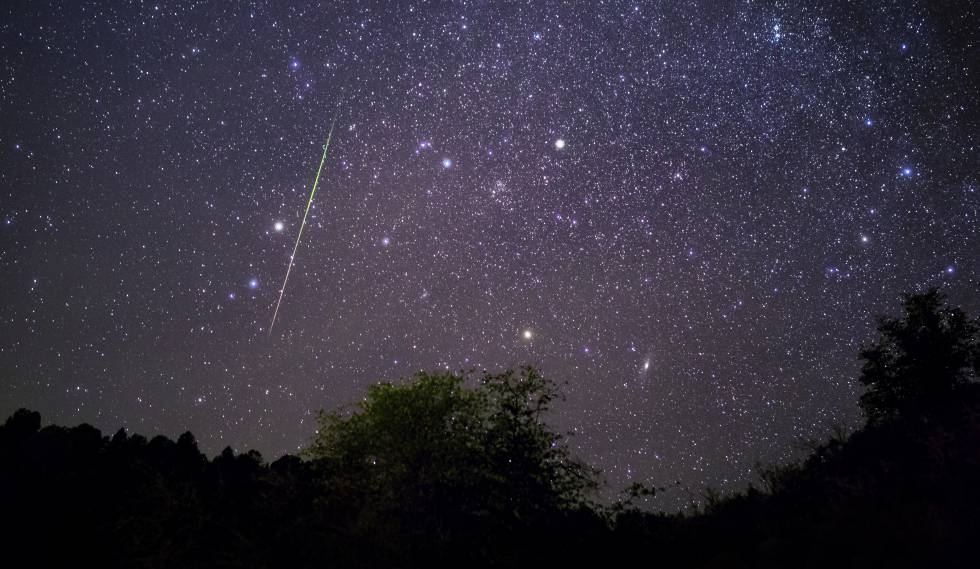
(448, 469)
(918, 359)
(19, 427)
(428, 460)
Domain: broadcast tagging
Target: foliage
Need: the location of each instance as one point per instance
(433, 457)
(918, 360)
(448, 469)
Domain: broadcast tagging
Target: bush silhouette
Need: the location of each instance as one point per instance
(452, 469)
(919, 359)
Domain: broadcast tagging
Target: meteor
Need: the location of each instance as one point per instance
(299, 235)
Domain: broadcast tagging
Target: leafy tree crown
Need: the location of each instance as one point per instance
(918, 359)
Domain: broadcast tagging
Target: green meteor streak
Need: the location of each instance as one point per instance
(309, 203)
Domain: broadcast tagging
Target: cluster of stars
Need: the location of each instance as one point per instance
(690, 216)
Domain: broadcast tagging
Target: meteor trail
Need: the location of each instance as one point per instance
(299, 235)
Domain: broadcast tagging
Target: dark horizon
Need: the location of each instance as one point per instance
(445, 471)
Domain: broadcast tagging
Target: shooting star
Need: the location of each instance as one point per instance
(299, 235)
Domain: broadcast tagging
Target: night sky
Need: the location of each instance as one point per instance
(690, 213)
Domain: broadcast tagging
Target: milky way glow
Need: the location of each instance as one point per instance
(728, 205)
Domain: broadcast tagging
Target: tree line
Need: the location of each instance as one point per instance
(444, 470)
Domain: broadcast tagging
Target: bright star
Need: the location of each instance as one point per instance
(253, 284)
(528, 334)
(907, 171)
(559, 144)
(278, 226)
(447, 163)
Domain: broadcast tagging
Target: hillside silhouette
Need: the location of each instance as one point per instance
(447, 469)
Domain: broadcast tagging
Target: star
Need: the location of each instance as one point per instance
(616, 192)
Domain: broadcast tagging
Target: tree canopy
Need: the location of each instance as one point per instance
(455, 469)
(919, 358)
(435, 454)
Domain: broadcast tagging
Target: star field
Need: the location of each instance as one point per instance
(689, 213)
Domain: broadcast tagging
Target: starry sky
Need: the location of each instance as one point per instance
(688, 212)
